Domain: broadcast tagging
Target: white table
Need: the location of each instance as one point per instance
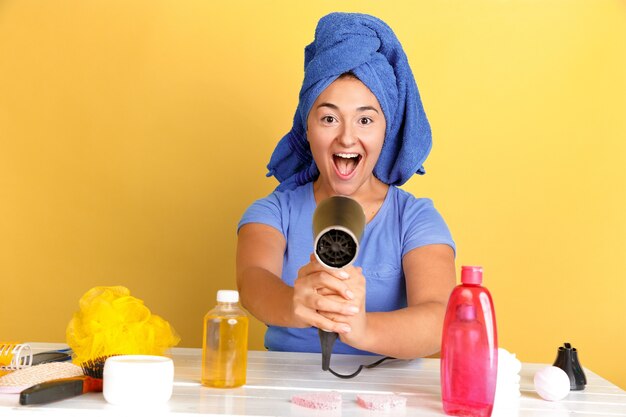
(273, 377)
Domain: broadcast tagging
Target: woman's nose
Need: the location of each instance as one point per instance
(346, 137)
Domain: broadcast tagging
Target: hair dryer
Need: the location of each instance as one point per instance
(338, 224)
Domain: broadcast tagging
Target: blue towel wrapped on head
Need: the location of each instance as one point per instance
(367, 47)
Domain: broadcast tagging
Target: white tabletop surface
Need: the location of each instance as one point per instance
(274, 377)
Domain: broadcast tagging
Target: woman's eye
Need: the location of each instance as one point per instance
(365, 120)
(328, 119)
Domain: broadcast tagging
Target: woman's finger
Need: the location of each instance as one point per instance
(315, 266)
(349, 294)
(332, 306)
(311, 317)
(328, 284)
(322, 283)
(331, 326)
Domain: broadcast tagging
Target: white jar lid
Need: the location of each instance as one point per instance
(138, 380)
(227, 296)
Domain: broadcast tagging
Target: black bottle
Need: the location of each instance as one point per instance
(567, 360)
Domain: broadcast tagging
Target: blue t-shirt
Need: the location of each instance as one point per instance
(403, 223)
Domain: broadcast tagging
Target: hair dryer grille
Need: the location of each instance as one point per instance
(336, 248)
(338, 223)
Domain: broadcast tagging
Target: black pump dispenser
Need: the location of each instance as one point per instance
(567, 360)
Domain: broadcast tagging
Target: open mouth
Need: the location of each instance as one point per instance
(346, 163)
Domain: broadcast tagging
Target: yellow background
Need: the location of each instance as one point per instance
(133, 134)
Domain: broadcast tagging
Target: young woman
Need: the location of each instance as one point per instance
(359, 131)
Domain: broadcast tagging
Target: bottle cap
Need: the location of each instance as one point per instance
(227, 296)
(472, 275)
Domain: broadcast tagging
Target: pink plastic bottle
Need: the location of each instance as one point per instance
(469, 348)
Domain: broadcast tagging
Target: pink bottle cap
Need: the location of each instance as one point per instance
(472, 275)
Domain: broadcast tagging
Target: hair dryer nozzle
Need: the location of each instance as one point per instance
(338, 224)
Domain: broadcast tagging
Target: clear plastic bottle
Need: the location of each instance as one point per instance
(469, 348)
(225, 343)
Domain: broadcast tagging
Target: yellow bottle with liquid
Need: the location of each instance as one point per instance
(225, 343)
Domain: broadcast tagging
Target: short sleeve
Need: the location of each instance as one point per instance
(423, 225)
(265, 211)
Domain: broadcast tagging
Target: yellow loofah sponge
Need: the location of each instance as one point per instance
(112, 322)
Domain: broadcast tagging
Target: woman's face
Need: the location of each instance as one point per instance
(346, 130)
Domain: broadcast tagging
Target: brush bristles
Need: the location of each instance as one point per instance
(94, 367)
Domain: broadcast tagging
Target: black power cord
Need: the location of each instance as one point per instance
(358, 371)
(327, 340)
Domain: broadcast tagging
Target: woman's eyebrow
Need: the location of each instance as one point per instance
(334, 107)
(363, 108)
(331, 105)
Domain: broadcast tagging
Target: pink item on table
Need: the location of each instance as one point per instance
(469, 349)
(380, 401)
(318, 400)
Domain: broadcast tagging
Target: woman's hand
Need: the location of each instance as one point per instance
(318, 289)
(357, 322)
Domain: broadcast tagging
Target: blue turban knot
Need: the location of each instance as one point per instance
(367, 47)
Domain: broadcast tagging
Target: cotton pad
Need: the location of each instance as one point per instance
(318, 400)
(380, 401)
(508, 379)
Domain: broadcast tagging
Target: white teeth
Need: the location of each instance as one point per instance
(347, 155)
